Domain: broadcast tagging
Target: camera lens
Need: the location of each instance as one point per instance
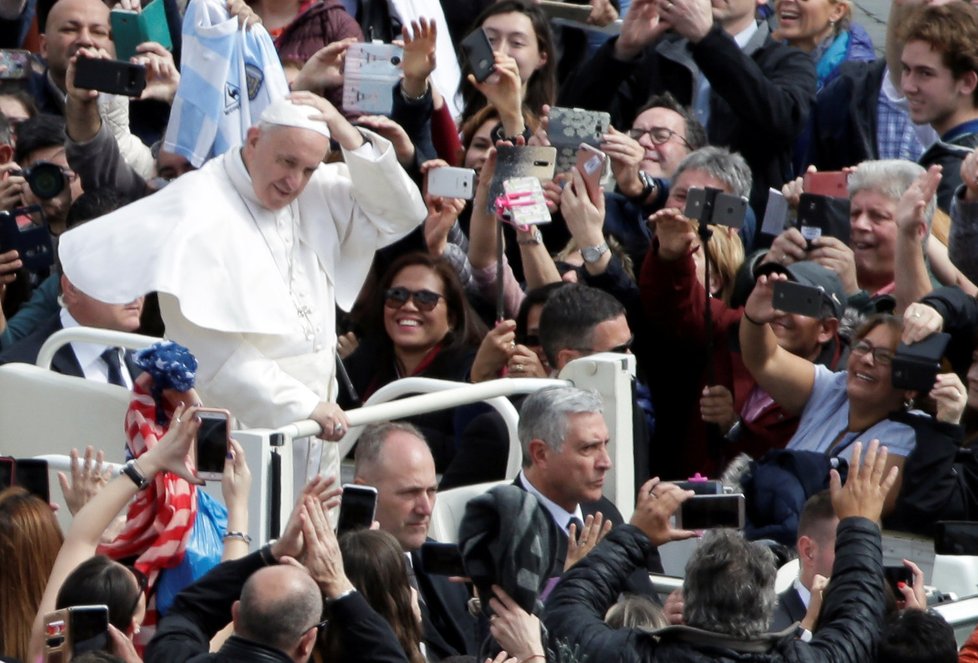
(395, 60)
(45, 179)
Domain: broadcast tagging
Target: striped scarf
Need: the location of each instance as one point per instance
(160, 518)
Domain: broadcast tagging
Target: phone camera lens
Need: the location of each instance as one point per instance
(395, 60)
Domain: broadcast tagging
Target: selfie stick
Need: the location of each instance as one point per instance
(504, 213)
(706, 217)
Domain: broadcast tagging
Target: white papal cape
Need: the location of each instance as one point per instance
(251, 291)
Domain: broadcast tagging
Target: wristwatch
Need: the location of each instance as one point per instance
(648, 186)
(131, 471)
(592, 254)
(536, 237)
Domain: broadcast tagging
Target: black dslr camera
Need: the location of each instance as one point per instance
(45, 179)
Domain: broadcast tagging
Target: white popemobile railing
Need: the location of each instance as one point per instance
(45, 411)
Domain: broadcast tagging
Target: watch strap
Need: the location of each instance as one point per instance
(131, 471)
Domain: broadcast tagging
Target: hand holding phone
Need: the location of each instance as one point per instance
(478, 52)
(591, 164)
(357, 508)
(213, 442)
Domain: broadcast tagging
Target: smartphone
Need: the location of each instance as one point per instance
(568, 128)
(895, 575)
(213, 441)
(451, 182)
(370, 72)
(832, 183)
(812, 218)
(130, 29)
(707, 487)
(6, 472)
(591, 163)
(565, 10)
(775, 213)
(478, 53)
(514, 161)
(792, 297)
(31, 474)
(32, 240)
(710, 511)
(443, 559)
(357, 508)
(916, 366)
(728, 209)
(956, 537)
(523, 202)
(15, 64)
(110, 76)
(76, 630)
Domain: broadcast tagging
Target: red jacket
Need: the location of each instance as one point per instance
(674, 305)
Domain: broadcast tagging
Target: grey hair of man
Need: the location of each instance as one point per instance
(276, 613)
(890, 178)
(570, 315)
(545, 415)
(372, 439)
(729, 585)
(726, 166)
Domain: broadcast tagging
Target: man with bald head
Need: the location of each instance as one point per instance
(275, 604)
(250, 255)
(395, 459)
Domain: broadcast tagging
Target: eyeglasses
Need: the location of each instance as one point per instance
(659, 135)
(425, 300)
(881, 356)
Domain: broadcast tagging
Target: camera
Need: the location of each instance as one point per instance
(45, 179)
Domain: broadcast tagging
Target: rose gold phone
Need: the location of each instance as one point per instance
(590, 163)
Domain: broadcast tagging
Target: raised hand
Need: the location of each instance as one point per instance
(866, 486)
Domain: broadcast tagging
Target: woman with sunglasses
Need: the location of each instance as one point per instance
(420, 324)
(126, 600)
(858, 403)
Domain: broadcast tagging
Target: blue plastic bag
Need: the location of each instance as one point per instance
(204, 550)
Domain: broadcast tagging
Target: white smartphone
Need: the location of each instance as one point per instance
(213, 441)
(451, 182)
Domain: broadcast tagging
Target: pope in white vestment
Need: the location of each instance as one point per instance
(250, 253)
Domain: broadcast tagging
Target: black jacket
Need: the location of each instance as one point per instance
(760, 96)
(788, 610)
(949, 154)
(848, 631)
(844, 117)
(204, 608)
(449, 629)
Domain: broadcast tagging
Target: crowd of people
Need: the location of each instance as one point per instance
(288, 248)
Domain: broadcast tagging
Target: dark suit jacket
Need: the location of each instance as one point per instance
(638, 582)
(788, 610)
(25, 351)
(449, 629)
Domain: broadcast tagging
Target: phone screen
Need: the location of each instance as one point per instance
(89, 628)
(895, 575)
(443, 559)
(709, 511)
(212, 442)
(357, 508)
(6, 472)
(32, 475)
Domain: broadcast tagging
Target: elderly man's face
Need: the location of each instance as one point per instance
(281, 160)
(873, 219)
(576, 473)
(404, 476)
(74, 24)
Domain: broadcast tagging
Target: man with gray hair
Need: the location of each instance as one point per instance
(565, 460)
(729, 585)
(887, 227)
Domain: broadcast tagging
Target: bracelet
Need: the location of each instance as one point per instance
(536, 237)
(752, 320)
(410, 99)
(240, 536)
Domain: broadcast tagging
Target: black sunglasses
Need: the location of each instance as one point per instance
(425, 300)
